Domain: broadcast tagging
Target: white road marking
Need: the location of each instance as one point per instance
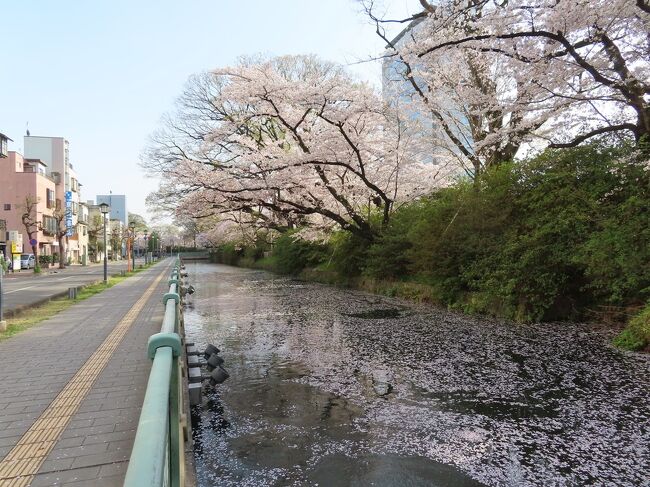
(64, 278)
(21, 289)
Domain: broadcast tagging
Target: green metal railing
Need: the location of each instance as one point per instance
(158, 458)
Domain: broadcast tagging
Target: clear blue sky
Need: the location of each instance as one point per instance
(101, 73)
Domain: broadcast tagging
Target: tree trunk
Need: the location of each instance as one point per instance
(35, 252)
(62, 252)
(643, 134)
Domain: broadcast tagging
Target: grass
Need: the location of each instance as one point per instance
(636, 335)
(34, 315)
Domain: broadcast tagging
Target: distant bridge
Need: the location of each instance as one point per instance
(197, 255)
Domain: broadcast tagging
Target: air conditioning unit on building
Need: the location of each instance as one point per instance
(56, 176)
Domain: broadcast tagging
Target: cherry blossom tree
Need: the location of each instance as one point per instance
(498, 74)
(233, 227)
(282, 143)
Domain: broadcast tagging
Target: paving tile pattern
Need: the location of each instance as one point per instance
(36, 365)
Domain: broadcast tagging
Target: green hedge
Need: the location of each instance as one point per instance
(540, 239)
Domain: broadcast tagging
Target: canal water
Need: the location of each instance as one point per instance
(333, 387)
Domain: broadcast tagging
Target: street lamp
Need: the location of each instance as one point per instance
(146, 248)
(131, 240)
(104, 209)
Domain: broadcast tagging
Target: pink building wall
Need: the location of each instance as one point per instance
(15, 186)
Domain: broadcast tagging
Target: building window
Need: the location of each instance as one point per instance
(49, 225)
(7, 206)
(50, 198)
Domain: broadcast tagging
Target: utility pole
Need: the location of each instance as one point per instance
(104, 209)
(3, 323)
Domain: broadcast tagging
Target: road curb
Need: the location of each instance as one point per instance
(20, 308)
(45, 272)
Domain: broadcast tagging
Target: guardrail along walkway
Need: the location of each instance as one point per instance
(72, 387)
(158, 457)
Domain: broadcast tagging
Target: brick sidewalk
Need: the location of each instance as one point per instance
(37, 364)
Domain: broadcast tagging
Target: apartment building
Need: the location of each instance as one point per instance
(54, 152)
(27, 188)
(81, 235)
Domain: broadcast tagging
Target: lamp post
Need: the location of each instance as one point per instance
(131, 241)
(104, 209)
(3, 153)
(146, 248)
(3, 324)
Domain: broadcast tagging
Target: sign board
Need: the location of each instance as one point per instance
(15, 236)
(68, 213)
(16, 240)
(33, 242)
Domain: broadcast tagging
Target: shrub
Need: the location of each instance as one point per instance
(293, 254)
(388, 257)
(228, 254)
(532, 240)
(636, 335)
(347, 254)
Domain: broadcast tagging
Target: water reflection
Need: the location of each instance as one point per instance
(336, 387)
(210, 416)
(388, 470)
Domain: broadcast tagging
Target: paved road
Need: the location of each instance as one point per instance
(26, 288)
